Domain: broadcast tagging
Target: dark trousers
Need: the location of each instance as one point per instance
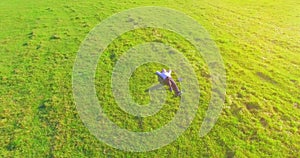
(171, 83)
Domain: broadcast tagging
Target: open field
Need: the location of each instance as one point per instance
(259, 43)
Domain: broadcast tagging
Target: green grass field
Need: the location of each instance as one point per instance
(259, 43)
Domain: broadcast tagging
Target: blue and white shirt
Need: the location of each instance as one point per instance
(164, 74)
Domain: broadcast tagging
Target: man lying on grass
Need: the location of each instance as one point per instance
(164, 77)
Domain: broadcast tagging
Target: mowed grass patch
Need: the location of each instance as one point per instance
(144, 77)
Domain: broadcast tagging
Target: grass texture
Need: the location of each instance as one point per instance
(259, 43)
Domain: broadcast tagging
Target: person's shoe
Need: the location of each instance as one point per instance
(178, 94)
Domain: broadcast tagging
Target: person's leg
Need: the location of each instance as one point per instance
(174, 87)
(169, 83)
